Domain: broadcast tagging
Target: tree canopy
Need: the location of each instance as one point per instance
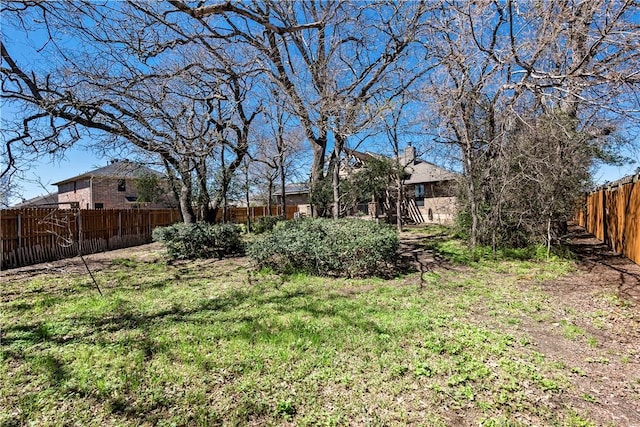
(503, 84)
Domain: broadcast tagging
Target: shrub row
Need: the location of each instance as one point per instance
(200, 240)
(345, 247)
(265, 223)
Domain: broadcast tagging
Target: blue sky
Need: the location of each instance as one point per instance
(46, 170)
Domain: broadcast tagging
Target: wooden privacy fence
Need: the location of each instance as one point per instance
(612, 214)
(30, 236)
(238, 215)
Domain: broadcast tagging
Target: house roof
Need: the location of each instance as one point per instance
(290, 189)
(116, 169)
(363, 156)
(422, 171)
(44, 200)
(419, 170)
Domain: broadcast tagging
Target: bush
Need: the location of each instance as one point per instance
(345, 247)
(200, 240)
(265, 223)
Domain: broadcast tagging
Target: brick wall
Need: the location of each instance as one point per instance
(105, 193)
(443, 210)
(75, 192)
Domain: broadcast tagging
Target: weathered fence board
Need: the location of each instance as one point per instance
(30, 236)
(238, 215)
(613, 215)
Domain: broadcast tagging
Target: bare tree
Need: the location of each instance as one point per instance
(466, 89)
(132, 86)
(320, 55)
(400, 131)
(279, 148)
(551, 69)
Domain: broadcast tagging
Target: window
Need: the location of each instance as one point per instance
(98, 206)
(121, 185)
(419, 194)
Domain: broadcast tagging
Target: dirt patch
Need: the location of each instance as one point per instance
(151, 252)
(595, 330)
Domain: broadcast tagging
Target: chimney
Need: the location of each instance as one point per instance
(409, 155)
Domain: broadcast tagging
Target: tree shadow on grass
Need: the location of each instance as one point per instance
(595, 256)
(128, 330)
(416, 254)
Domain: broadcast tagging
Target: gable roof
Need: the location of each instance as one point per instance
(421, 171)
(116, 169)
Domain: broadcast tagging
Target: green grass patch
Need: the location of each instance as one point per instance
(459, 252)
(218, 344)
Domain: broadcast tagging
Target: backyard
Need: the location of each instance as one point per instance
(214, 342)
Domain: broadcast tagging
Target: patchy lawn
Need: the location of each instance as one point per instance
(209, 342)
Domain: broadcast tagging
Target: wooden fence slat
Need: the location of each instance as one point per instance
(41, 230)
(34, 234)
(613, 216)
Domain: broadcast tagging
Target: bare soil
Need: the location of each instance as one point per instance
(99, 261)
(602, 299)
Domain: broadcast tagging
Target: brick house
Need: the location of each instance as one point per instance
(110, 187)
(430, 190)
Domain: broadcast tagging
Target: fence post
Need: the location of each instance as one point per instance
(605, 231)
(19, 230)
(79, 225)
(119, 224)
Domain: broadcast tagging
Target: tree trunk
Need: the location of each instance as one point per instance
(335, 184)
(246, 196)
(186, 197)
(269, 196)
(471, 185)
(283, 202)
(399, 202)
(174, 185)
(316, 174)
(204, 199)
(335, 179)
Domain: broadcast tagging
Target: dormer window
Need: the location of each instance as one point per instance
(121, 185)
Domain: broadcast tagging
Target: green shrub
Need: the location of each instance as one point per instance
(200, 240)
(265, 223)
(345, 247)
